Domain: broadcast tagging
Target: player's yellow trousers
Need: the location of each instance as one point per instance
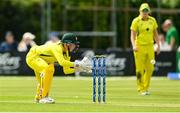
(144, 62)
(43, 71)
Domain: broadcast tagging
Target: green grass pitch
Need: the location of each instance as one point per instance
(75, 94)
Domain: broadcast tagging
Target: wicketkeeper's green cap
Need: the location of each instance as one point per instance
(70, 38)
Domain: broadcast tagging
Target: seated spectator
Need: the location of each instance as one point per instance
(9, 44)
(172, 37)
(27, 42)
(163, 44)
(53, 38)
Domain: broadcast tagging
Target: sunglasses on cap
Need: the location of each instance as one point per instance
(145, 10)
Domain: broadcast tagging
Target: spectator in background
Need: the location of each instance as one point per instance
(172, 37)
(163, 44)
(53, 38)
(27, 42)
(9, 44)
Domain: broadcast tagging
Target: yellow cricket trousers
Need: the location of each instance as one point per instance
(43, 72)
(144, 58)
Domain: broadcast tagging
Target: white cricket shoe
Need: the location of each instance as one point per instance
(46, 100)
(51, 99)
(145, 93)
(148, 93)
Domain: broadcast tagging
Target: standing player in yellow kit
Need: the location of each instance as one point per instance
(143, 33)
(42, 58)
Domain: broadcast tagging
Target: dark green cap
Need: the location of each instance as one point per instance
(70, 38)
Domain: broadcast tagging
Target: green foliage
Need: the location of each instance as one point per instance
(19, 18)
(24, 2)
(170, 3)
(25, 15)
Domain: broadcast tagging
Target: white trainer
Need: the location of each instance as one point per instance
(145, 93)
(148, 93)
(46, 100)
(51, 99)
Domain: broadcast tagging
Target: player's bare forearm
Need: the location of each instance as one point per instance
(157, 41)
(133, 36)
(156, 37)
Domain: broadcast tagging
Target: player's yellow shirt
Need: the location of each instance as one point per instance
(52, 53)
(144, 30)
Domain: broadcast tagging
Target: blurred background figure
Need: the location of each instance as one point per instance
(172, 37)
(9, 44)
(163, 44)
(27, 42)
(53, 38)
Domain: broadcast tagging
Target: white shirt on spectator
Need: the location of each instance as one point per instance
(163, 47)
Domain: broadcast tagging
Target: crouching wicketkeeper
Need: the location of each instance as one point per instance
(42, 58)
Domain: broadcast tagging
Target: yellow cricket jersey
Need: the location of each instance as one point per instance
(53, 52)
(144, 30)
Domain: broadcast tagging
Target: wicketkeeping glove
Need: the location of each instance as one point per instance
(84, 65)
